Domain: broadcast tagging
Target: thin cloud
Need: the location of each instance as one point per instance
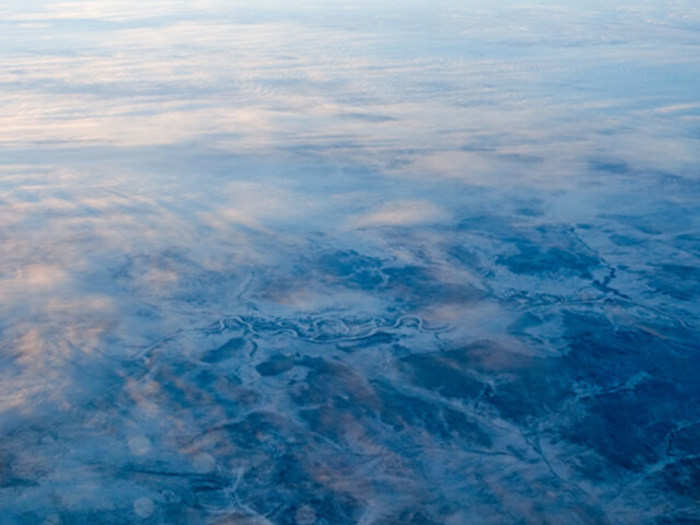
(399, 213)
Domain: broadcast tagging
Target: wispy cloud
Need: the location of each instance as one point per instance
(400, 213)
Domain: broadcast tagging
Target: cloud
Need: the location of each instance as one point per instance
(399, 213)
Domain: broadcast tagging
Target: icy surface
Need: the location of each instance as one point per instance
(428, 263)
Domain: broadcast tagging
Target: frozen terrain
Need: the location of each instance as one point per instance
(331, 263)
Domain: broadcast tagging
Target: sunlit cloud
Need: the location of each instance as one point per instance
(401, 213)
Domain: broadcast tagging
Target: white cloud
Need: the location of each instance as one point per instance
(399, 213)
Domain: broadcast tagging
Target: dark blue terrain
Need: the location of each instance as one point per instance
(331, 264)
